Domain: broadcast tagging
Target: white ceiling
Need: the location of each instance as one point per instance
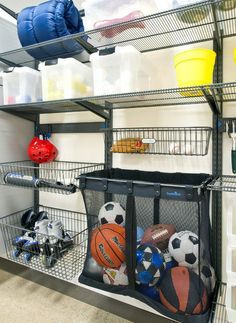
(19, 5)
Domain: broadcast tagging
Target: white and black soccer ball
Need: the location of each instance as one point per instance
(112, 212)
(207, 274)
(184, 248)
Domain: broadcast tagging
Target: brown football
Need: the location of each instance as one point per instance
(159, 235)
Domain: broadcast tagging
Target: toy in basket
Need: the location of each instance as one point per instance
(94, 270)
(158, 235)
(113, 276)
(207, 274)
(181, 291)
(26, 242)
(108, 245)
(184, 248)
(56, 241)
(129, 145)
(150, 291)
(45, 237)
(150, 266)
(112, 212)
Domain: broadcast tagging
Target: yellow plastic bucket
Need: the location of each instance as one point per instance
(234, 55)
(194, 68)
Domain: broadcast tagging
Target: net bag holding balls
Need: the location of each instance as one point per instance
(161, 205)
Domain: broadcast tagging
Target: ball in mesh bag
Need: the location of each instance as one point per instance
(108, 245)
(184, 248)
(150, 265)
(150, 291)
(158, 235)
(112, 212)
(112, 276)
(182, 291)
(207, 274)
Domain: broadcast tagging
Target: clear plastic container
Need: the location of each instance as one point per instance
(123, 71)
(67, 79)
(22, 85)
(101, 13)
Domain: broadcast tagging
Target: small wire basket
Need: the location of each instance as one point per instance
(57, 177)
(63, 260)
(192, 141)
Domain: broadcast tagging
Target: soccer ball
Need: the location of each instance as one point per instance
(184, 247)
(207, 274)
(112, 276)
(112, 212)
(150, 265)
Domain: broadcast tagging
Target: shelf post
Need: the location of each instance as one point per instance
(36, 171)
(217, 149)
(108, 136)
(217, 33)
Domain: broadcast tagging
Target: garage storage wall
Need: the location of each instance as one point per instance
(90, 147)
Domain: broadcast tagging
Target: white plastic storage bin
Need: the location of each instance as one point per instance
(101, 13)
(231, 264)
(67, 79)
(125, 70)
(231, 303)
(22, 85)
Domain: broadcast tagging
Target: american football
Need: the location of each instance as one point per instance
(158, 235)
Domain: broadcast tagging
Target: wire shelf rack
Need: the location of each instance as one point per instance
(57, 177)
(192, 141)
(162, 97)
(223, 184)
(171, 28)
(208, 94)
(62, 259)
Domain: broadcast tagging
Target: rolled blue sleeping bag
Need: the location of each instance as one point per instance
(50, 20)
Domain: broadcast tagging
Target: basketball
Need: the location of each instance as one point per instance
(108, 245)
(181, 291)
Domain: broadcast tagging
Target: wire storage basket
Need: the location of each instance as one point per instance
(192, 141)
(60, 257)
(57, 177)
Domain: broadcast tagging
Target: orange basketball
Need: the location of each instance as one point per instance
(108, 245)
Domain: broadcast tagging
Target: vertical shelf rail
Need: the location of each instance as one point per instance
(36, 171)
(108, 136)
(217, 148)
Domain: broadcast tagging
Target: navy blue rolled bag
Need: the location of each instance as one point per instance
(50, 20)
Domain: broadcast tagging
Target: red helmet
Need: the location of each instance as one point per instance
(41, 151)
